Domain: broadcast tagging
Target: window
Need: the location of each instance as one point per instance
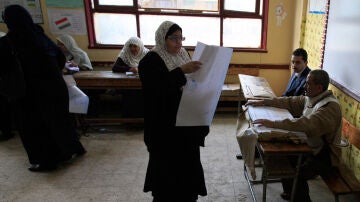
(231, 23)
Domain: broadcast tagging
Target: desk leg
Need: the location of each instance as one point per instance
(247, 177)
(296, 178)
(264, 179)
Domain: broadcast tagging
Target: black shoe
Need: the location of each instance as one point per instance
(41, 168)
(285, 196)
(239, 156)
(81, 152)
(6, 136)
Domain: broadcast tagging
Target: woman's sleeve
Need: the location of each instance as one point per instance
(120, 66)
(61, 59)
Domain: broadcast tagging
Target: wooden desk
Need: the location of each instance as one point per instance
(104, 80)
(275, 164)
(273, 158)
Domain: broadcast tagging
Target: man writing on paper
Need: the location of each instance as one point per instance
(319, 117)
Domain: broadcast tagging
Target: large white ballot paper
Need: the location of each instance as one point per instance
(78, 100)
(274, 114)
(203, 88)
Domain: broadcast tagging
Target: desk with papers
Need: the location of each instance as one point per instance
(273, 156)
(103, 80)
(274, 145)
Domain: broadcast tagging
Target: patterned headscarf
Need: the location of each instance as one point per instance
(171, 61)
(126, 55)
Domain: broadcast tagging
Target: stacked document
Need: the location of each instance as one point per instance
(274, 134)
(78, 100)
(260, 91)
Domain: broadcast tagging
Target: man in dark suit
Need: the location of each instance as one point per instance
(297, 81)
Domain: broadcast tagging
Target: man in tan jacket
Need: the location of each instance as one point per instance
(319, 117)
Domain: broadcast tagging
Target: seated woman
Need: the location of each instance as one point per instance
(130, 55)
(74, 55)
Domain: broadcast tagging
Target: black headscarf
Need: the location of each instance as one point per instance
(24, 34)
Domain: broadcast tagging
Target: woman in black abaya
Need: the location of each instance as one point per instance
(43, 113)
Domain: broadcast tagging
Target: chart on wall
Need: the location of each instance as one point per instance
(33, 6)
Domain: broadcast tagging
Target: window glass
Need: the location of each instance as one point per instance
(240, 5)
(116, 2)
(211, 5)
(239, 24)
(204, 29)
(244, 33)
(114, 28)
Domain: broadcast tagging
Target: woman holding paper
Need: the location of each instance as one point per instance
(43, 112)
(174, 167)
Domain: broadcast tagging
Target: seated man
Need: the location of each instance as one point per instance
(320, 119)
(296, 83)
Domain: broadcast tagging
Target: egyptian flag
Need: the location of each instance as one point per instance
(62, 23)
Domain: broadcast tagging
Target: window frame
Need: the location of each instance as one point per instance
(222, 14)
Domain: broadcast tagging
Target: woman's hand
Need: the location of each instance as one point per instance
(72, 64)
(133, 70)
(190, 67)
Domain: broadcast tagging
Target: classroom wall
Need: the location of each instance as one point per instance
(280, 43)
(313, 40)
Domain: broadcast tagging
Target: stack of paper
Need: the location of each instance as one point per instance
(78, 100)
(271, 134)
(259, 91)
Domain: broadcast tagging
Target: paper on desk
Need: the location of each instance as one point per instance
(203, 88)
(231, 86)
(79, 102)
(71, 68)
(259, 91)
(273, 114)
(266, 112)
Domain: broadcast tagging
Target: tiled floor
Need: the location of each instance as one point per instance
(114, 167)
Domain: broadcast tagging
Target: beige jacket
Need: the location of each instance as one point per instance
(319, 117)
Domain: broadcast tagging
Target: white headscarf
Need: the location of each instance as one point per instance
(126, 55)
(79, 56)
(171, 61)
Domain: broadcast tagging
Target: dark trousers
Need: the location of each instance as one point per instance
(5, 116)
(311, 167)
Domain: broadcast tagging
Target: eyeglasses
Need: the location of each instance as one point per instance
(175, 38)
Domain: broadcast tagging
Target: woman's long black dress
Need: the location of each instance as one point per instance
(174, 169)
(45, 127)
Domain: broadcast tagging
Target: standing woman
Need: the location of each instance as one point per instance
(174, 170)
(130, 56)
(73, 53)
(45, 127)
